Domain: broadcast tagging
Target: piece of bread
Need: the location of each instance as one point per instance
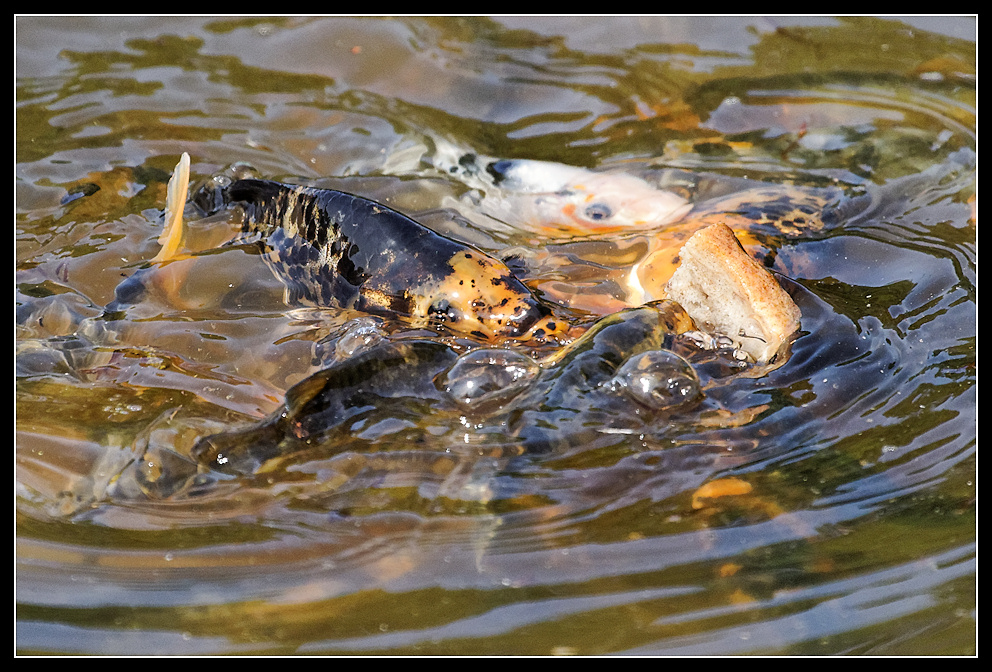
(727, 292)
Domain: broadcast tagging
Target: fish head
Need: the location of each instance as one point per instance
(481, 297)
(558, 200)
(609, 202)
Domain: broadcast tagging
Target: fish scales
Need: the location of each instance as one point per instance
(332, 248)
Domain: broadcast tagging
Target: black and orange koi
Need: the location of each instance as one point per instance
(332, 248)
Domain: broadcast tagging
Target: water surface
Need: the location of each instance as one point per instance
(826, 507)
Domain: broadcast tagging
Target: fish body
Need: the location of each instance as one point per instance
(332, 248)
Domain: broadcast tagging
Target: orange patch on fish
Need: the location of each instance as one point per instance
(482, 297)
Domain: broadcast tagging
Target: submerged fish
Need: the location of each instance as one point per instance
(619, 375)
(333, 248)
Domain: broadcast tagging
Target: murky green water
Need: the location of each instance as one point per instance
(845, 523)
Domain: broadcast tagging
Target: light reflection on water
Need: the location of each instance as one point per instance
(851, 524)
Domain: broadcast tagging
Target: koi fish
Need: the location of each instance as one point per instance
(558, 201)
(332, 248)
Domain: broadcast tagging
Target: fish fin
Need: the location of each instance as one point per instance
(172, 233)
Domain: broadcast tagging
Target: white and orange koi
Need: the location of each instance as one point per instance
(558, 201)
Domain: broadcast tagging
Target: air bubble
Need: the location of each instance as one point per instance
(488, 376)
(660, 380)
(361, 334)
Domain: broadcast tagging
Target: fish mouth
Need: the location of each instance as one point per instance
(212, 195)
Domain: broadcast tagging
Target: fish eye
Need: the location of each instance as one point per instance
(597, 212)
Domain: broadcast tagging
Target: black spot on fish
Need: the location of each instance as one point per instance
(499, 169)
(469, 162)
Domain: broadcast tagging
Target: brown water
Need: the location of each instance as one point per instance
(826, 507)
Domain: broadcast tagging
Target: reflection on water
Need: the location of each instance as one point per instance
(481, 504)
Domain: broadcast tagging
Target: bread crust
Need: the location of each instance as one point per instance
(726, 291)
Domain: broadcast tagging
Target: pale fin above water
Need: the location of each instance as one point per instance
(175, 202)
